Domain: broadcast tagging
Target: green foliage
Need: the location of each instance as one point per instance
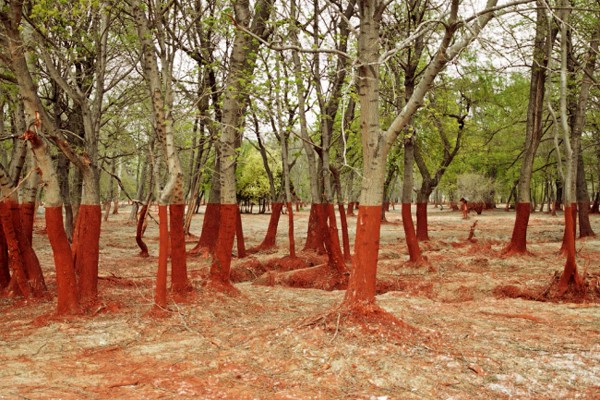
(475, 187)
(252, 181)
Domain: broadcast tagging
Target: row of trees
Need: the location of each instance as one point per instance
(338, 94)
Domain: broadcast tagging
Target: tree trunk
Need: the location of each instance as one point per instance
(4, 267)
(141, 227)
(533, 131)
(414, 251)
(422, 228)
(570, 278)
(242, 62)
(159, 85)
(66, 279)
(210, 225)
(239, 235)
(271, 235)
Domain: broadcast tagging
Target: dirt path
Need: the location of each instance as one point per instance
(470, 344)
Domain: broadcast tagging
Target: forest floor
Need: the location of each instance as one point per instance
(469, 340)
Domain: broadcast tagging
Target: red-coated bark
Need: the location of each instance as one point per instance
(27, 214)
(179, 277)
(87, 251)
(361, 287)
(239, 235)
(345, 237)
(66, 279)
(4, 269)
(160, 294)
(331, 238)
(573, 210)
(291, 230)
(518, 241)
(139, 233)
(210, 230)
(270, 238)
(351, 209)
(33, 271)
(314, 235)
(414, 251)
(570, 277)
(220, 268)
(15, 259)
(422, 229)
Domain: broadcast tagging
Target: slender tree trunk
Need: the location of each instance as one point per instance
(533, 131)
(210, 225)
(242, 63)
(570, 277)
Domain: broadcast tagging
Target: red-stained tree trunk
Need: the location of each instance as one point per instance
(66, 278)
(533, 131)
(4, 268)
(376, 144)
(414, 251)
(573, 231)
(221, 265)
(210, 224)
(271, 235)
(65, 273)
(179, 280)
(33, 269)
(210, 228)
(26, 256)
(239, 235)
(15, 259)
(422, 229)
(159, 83)
(570, 276)
(518, 242)
(160, 293)
(345, 236)
(331, 239)
(314, 233)
(87, 247)
(241, 67)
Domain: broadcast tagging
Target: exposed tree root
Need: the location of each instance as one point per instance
(202, 251)
(588, 291)
(248, 270)
(322, 276)
(219, 286)
(370, 319)
(287, 263)
(262, 250)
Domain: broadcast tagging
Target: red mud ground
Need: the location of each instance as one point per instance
(469, 343)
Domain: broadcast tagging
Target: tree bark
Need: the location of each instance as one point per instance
(544, 40)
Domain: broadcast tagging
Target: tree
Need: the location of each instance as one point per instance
(377, 143)
(159, 82)
(431, 181)
(544, 40)
(241, 66)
